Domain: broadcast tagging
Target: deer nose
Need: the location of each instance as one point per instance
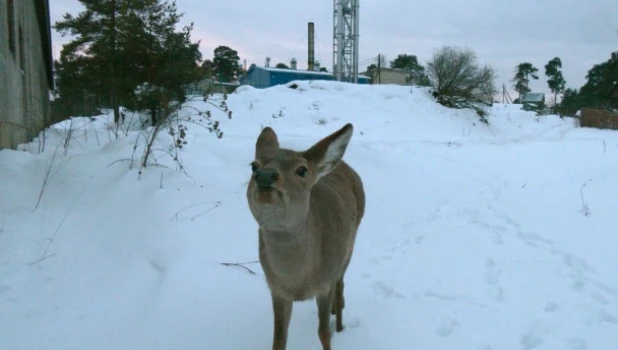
(265, 178)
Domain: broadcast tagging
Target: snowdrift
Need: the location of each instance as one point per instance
(499, 236)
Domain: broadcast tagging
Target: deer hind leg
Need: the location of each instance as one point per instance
(338, 305)
(338, 300)
(325, 303)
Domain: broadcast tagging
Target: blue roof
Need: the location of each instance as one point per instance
(263, 77)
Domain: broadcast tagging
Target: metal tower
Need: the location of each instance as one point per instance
(345, 40)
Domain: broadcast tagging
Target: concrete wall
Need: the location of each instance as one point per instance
(386, 76)
(24, 72)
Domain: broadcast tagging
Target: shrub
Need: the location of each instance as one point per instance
(460, 82)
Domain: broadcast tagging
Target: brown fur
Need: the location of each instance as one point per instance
(307, 226)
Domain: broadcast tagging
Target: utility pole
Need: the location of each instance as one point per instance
(379, 66)
(505, 95)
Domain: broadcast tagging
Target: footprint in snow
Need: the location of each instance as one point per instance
(349, 322)
(576, 344)
(533, 337)
(497, 238)
(383, 292)
(446, 327)
(530, 341)
(551, 306)
(377, 260)
(492, 277)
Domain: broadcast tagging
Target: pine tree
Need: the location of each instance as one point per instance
(94, 50)
(415, 71)
(168, 59)
(555, 79)
(207, 69)
(128, 53)
(570, 102)
(600, 79)
(226, 64)
(523, 73)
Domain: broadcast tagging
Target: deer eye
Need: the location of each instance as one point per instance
(301, 171)
(254, 166)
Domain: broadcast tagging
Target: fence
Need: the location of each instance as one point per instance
(598, 118)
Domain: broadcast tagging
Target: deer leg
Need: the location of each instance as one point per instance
(336, 299)
(340, 303)
(325, 303)
(283, 313)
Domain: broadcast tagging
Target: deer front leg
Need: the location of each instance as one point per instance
(282, 309)
(325, 303)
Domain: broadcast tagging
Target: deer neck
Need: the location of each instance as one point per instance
(290, 251)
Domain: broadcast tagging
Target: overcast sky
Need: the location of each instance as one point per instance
(503, 34)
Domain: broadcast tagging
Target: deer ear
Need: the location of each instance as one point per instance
(267, 141)
(327, 153)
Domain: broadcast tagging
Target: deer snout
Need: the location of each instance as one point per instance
(265, 178)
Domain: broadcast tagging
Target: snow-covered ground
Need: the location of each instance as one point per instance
(500, 236)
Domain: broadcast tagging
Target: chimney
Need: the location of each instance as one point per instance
(293, 63)
(311, 47)
(267, 62)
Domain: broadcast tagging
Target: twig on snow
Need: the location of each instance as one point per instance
(217, 204)
(66, 214)
(41, 259)
(47, 175)
(175, 216)
(117, 161)
(585, 209)
(241, 264)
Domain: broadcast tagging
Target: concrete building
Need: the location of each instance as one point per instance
(388, 76)
(26, 70)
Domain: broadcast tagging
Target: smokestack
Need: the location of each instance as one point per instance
(311, 48)
(267, 62)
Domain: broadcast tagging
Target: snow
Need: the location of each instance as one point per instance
(499, 236)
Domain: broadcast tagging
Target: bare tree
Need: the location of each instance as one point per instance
(459, 81)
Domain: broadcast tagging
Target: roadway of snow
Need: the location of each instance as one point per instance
(475, 236)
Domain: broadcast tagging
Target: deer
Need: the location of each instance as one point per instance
(308, 206)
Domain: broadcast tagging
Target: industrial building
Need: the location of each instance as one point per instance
(264, 77)
(26, 70)
(345, 54)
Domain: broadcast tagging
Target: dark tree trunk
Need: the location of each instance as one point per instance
(114, 90)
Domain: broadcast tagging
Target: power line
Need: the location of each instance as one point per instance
(302, 40)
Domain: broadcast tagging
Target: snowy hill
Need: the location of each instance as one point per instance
(499, 236)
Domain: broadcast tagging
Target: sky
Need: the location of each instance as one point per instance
(503, 34)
